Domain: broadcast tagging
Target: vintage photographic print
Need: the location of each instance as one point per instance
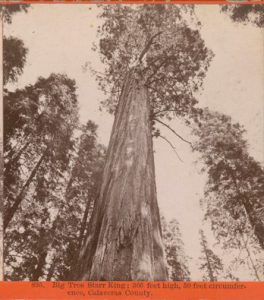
(133, 142)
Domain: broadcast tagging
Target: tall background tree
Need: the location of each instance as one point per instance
(9, 69)
(177, 260)
(43, 240)
(52, 170)
(46, 116)
(234, 191)
(211, 264)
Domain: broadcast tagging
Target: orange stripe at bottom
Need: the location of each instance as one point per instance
(105, 290)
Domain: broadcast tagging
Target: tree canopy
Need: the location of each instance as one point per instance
(253, 13)
(159, 40)
(8, 11)
(15, 53)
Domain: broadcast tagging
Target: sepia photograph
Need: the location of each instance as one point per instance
(133, 142)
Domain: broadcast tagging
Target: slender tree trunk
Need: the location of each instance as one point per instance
(124, 239)
(80, 241)
(256, 222)
(38, 272)
(44, 246)
(1, 151)
(84, 222)
(52, 269)
(11, 211)
(209, 267)
(250, 257)
(12, 161)
(210, 271)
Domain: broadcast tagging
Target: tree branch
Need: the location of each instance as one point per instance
(155, 90)
(149, 43)
(172, 130)
(163, 111)
(155, 80)
(157, 68)
(172, 146)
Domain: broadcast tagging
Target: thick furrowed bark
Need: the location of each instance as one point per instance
(124, 239)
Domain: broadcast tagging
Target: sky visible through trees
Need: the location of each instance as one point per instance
(233, 86)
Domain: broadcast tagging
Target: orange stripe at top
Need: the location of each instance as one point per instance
(131, 2)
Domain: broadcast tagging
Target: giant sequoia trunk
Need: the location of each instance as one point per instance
(124, 238)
